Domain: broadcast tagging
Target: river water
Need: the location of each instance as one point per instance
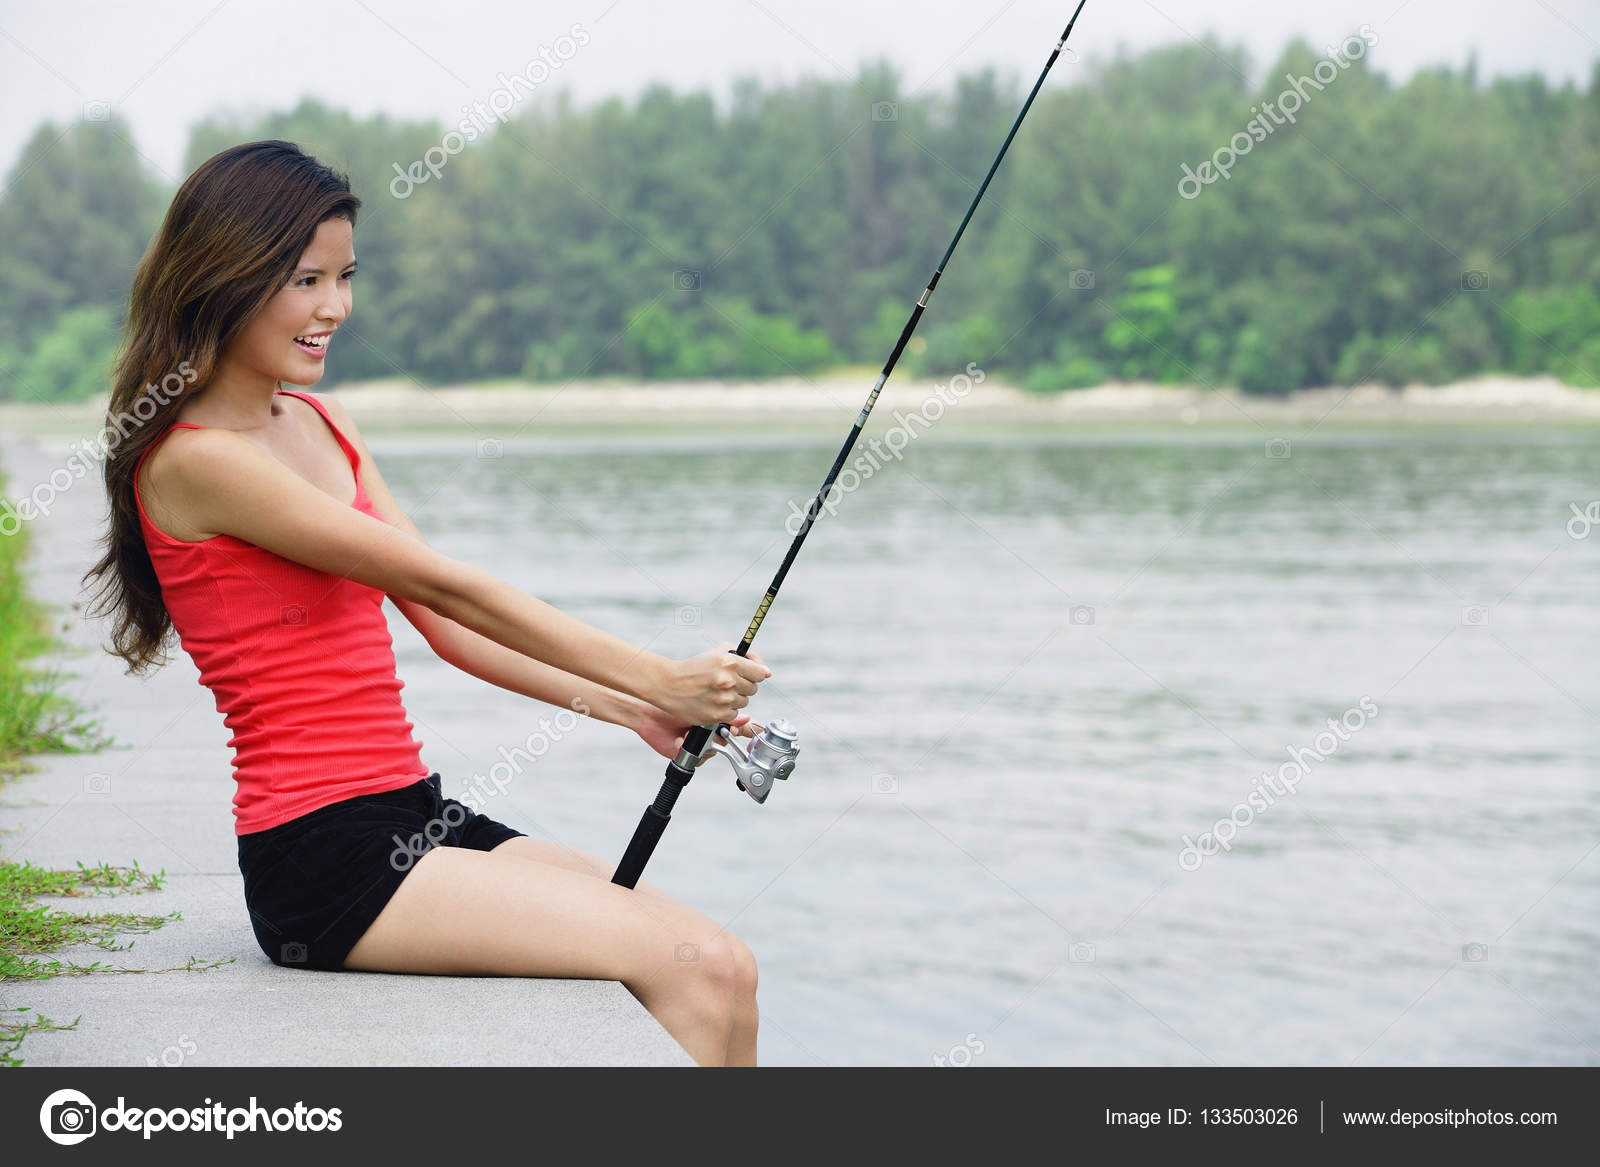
(1029, 671)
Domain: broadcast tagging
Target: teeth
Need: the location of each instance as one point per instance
(316, 343)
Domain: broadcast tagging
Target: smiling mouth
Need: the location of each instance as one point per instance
(314, 346)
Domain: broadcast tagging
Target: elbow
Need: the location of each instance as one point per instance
(447, 589)
(439, 599)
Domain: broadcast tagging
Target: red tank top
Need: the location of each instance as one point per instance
(300, 662)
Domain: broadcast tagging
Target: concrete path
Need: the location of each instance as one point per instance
(161, 797)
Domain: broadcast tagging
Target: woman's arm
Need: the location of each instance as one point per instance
(226, 484)
(481, 657)
(472, 652)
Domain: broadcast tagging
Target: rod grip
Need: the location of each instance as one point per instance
(645, 837)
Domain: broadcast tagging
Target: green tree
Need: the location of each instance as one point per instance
(77, 213)
(73, 360)
(1379, 235)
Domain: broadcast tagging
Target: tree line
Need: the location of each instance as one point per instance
(1423, 231)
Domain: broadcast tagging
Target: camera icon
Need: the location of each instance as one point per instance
(686, 953)
(884, 784)
(686, 279)
(1278, 448)
(1081, 614)
(97, 783)
(885, 111)
(72, 1119)
(97, 111)
(688, 616)
(292, 615)
(1475, 617)
(491, 448)
(1474, 952)
(1080, 279)
(1081, 953)
(1474, 281)
(293, 952)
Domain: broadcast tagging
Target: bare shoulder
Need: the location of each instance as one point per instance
(222, 483)
(181, 469)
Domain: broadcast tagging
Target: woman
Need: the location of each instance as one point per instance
(254, 521)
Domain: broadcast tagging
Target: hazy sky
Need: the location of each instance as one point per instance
(163, 64)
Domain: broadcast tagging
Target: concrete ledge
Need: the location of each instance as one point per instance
(254, 1013)
(161, 798)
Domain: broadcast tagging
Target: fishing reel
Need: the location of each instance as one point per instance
(770, 756)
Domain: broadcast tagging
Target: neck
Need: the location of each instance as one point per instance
(240, 403)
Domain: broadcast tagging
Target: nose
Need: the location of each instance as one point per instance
(335, 306)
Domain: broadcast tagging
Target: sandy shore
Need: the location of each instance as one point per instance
(833, 401)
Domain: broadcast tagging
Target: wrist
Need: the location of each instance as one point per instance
(654, 674)
(631, 712)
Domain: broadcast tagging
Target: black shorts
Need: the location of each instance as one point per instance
(315, 884)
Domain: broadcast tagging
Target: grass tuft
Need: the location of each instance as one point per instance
(35, 716)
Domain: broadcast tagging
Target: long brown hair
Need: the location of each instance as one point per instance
(231, 239)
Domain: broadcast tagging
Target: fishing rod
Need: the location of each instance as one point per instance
(772, 752)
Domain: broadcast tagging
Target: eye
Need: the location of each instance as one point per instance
(300, 283)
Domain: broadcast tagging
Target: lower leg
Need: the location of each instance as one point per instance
(704, 1033)
(742, 1042)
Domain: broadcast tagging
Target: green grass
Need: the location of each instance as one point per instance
(28, 928)
(35, 717)
(13, 1030)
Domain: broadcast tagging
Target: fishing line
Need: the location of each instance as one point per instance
(772, 753)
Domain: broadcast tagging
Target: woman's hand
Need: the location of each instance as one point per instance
(711, 687)
(665, 734)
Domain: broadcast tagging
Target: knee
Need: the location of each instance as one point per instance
(744, 963)
(720, 968)
(715, 976)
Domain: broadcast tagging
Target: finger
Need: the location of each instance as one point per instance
(751, 669)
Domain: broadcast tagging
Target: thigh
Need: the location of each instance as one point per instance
(695, 926)
(558, 855)
(467, 913)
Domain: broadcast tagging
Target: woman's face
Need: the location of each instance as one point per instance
(278, 344)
